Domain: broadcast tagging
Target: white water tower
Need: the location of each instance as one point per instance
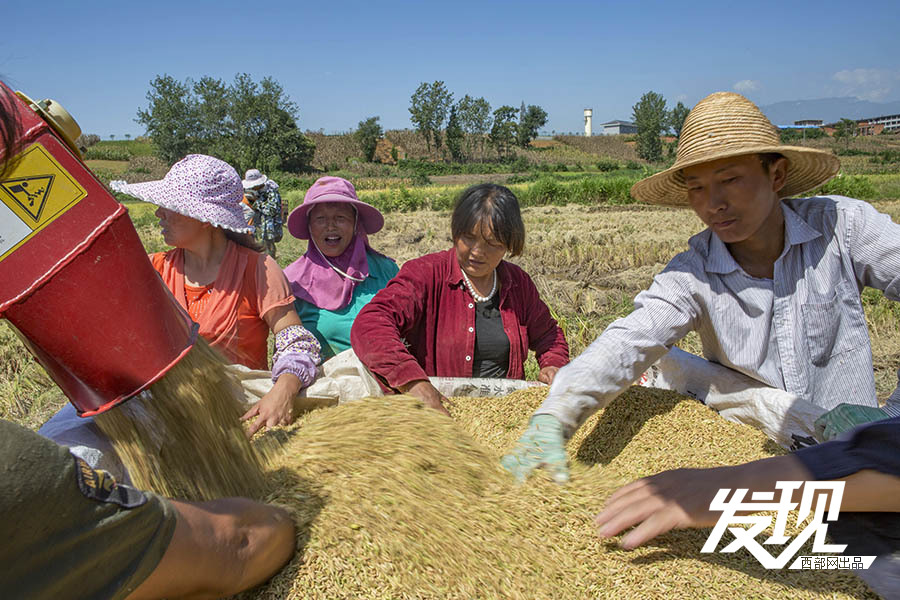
(588, 113)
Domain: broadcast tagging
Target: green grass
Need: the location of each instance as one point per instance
(546, 190)
(887, 186)
(141, 147)
(112, 166)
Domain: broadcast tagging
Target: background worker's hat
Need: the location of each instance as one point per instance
(726, 124)
(253, 178)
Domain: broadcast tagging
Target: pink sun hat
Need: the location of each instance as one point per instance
(197, 186)
(333, 189)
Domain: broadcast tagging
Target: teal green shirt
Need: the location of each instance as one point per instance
(332, 327)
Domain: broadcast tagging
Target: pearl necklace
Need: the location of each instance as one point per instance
(476, 295)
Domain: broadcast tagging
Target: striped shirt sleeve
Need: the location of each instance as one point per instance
(662, 315)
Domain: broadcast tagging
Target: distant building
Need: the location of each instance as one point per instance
(869, 128)
(618, 127)
(889, 122)
(809, 123)
(872, 126)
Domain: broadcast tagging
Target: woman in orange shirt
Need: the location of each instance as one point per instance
(219, 276)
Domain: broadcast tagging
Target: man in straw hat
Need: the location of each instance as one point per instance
(772, 285)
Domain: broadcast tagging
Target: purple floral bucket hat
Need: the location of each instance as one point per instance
(197, 186)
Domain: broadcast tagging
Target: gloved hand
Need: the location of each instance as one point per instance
(542, 445)
(844, 417)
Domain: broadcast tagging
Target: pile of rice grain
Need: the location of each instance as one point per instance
(393, 500)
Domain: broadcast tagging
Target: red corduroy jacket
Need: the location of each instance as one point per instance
(428, 306)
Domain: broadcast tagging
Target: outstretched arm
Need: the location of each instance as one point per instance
(296, 356)
(220, 548)
(680, 499)
(868, 463)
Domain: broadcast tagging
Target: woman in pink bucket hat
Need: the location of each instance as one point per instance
(218, 274)
(340, 271)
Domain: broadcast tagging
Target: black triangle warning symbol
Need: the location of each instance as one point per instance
(30, 193)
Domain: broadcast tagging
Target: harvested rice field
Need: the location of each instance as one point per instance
(393, 500)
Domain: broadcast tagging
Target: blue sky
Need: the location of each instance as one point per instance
(342, 62)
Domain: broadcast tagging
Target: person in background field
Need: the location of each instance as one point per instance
(464, 312)
(340, 272)
(62, 518)
(772, 286)
(268, 216)
(868, 461)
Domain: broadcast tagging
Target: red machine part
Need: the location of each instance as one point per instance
(75, 281)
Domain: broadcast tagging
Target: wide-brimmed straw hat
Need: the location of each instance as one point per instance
(198, 186)
(333, 189)
(726, 124)
(253, 178)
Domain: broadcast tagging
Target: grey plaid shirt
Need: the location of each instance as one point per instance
(804, 331)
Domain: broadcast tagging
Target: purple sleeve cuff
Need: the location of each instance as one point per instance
(297, 351)
(301, 365)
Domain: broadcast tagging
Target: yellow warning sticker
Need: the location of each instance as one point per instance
(37, 191)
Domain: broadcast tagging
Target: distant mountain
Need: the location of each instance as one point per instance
(827, 109)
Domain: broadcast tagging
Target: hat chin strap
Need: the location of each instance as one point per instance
(330, 264)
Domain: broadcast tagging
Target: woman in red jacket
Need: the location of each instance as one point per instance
(464, 312)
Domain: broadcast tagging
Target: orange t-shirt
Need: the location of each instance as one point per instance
(197, 297)
(230, 310)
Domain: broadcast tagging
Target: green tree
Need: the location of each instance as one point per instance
(213, 128)
(649, 115)
(264, 125)
(530, 120)
(503, 131)
(677, 117)
(171, 117)
(845, 129)
(454, 136)
(428, 108)
(476, 121)
(367, 135)
(244, 123)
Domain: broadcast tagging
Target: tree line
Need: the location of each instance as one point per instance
(250, 124)
(245, 123)
(467, 124)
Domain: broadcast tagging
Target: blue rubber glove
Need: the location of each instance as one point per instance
(542, 445)
(845, 417)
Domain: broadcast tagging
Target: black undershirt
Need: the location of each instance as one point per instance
(491, 342)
